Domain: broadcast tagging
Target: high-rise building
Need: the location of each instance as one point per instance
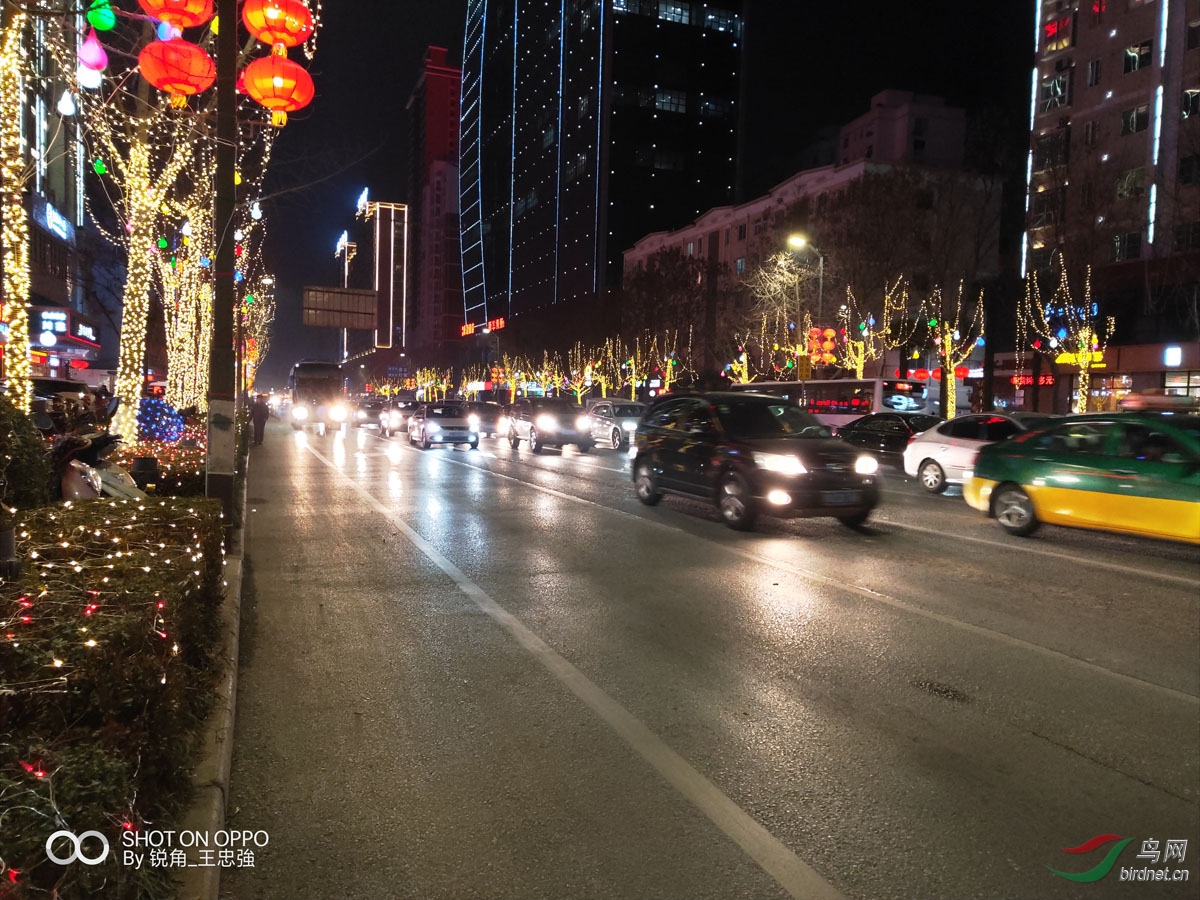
(1114, 159)
(585, 124)
(435, 273)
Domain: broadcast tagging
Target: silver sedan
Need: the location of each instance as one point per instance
(613, 422)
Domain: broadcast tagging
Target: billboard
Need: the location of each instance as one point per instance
(334, 307)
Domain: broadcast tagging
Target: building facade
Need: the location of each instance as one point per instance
(585, 123)
(435, 272)
(1114, 158)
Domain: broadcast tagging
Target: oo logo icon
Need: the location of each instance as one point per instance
(76, 848)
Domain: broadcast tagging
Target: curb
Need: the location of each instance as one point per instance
(210, 777)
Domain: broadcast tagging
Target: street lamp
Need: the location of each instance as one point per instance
(799, 242)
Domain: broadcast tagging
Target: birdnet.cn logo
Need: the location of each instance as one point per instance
(1157, 855)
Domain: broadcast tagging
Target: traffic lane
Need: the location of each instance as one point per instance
(1119, 612)
(394, 742)
(853, 681)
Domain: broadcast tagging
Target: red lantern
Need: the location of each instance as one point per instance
(279, 84)
(961, 371)
(921, 374)
(178, 67)
(286, 22)
(180, 13)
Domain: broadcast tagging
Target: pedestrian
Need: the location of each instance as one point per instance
(259, 413)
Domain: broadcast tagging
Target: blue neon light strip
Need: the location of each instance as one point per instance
(1151, 214)
(1158, 107)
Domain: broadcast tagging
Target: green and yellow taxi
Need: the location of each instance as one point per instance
(1132, 473)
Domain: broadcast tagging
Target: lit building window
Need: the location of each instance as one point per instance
(1191, 103)
(670, 101)
(1136, 119)
(739, 265)
(1055, 92)
(1131, 183)
(1138, 56)
(675, 12)
(723, 20)
(1057, 34)
(1127, 246)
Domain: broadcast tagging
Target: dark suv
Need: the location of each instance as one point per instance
(548, 423)
(752, 454)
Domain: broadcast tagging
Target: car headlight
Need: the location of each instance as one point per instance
(866, 465)
(582, 424)
(361, 414)
(783, 463)
(630, 426)
(337, 412)
(432, 426)
(300, 412)
(546, 423)
(394, 419)
(473, 422)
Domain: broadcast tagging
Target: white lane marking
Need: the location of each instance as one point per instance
(791, 873)
(894, 602)
(1052, 554)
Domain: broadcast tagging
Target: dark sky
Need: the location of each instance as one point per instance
(809, 64)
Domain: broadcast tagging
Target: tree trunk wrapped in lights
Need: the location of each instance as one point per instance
(901, 322)
(955, 337)
(1065, 329)
(860, 342)
(14, 220)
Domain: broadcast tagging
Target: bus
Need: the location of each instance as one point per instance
(318, 395)
(841, 400)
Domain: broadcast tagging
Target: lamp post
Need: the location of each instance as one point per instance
(799, 241)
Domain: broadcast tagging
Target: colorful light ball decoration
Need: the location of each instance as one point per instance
(91, 54)
(158, 421)
(279, 84)
(180, 13)
(178, 67)
(100, 16)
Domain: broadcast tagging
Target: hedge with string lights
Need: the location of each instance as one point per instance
(107, 661)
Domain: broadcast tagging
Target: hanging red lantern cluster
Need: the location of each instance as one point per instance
(274, 81)
(178, 67)
(179, 13)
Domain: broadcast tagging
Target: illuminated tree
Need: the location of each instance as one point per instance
(860, 342)
(783, 288)
(1065, 328)
(901, 319)
(580, 363)
(955, 336)
(14, 222)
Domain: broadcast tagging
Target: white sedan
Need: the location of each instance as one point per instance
(443, 423)
(945, 454)
(613, 422)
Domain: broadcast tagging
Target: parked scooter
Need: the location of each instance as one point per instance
(81, 469)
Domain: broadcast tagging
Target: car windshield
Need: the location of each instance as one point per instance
(445, 412)
(762, 418)
(628, 410)
(923, 423)
(559, 407)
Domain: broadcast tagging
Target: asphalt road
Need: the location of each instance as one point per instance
(494, 674)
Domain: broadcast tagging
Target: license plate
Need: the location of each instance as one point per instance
(841, 498)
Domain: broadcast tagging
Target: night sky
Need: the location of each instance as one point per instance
(808, 65)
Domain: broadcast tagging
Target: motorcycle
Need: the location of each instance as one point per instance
(81, 470)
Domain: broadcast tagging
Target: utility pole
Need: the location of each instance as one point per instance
(222, 368)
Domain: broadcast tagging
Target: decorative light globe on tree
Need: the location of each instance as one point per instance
(274, 22)
(178, 67)
(158, 421)
(279, 84)
(180, 13)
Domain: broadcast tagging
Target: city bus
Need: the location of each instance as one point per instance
(318, 395)
(838, 401)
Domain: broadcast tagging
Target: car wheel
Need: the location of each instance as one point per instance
(855, 520)
(617, 438)
(534, 444)
(645, 485)
(383, 431)
(584, 447)
(735, 503)
(474, 445)
(513, 440)
(931, 476)
(424, 440)
(1014, 510)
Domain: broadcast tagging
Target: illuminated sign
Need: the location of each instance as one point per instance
(84, 331)
(1072, 359)
(469, 328)
(1027, 380)
(57, 223)
(54, 321)
(495, 324)
(1173, 356)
